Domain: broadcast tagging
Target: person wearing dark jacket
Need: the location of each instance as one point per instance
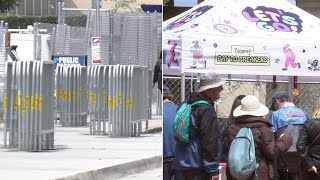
(250, 114)
(200, 158)
(224, 130)
(157, 73)
(310, 153)
(225, 125)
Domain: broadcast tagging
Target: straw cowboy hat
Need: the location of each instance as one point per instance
(250, 105)
(210, 81)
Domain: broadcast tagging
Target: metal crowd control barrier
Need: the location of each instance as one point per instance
(3, 55)
(29, 105)
(71, 101)
(118, 99)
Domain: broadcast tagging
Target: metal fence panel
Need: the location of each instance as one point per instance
(130, 38)
(70, 40)
(308, 98)
(29, 89)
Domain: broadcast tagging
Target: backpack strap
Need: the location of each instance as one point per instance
(200, 102)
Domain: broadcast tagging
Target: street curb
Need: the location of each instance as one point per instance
(118, 171)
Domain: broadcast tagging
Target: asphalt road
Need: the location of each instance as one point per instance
(154, 174)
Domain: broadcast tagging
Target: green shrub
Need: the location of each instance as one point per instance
(21, 22)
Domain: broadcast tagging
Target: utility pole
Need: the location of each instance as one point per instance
(96, 41)
(98, 3)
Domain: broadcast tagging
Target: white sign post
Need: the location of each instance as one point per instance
(95, 47)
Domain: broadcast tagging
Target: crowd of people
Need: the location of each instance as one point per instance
(287, 144)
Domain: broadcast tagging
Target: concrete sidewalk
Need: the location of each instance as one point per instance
(154, 124)
(81, 156)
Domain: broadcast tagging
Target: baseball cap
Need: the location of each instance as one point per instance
(278, 95)
(166, 89)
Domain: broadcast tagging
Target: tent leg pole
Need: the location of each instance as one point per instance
(183, 87)
(290, 87)
(191, 84)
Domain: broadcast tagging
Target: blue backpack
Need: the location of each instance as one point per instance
(242, 156)
(181, 123)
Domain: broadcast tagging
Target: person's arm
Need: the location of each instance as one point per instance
(269, 143)
(302, 146)
(210, 141)
(224, 132)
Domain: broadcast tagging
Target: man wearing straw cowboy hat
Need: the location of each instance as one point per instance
(200, 158)
(251, 114)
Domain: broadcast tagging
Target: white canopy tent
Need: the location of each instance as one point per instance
(243, 37)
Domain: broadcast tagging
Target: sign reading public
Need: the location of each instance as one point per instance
(67, 60)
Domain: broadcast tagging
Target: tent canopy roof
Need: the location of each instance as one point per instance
(248, 18)
(243, 37)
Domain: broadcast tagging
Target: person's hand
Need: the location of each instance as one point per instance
(313, 168)
(215, 177)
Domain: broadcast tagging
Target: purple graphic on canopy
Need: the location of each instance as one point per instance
(187, 18)
(272, 19)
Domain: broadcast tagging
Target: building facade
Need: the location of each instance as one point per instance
(36, 8)
(50, 7)
(310, 6)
